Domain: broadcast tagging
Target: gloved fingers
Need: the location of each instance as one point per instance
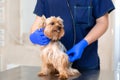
(69, 51)
(71, 55)
(33, 39)
(45, 38)
(42, 44)
(37, 35)
(37, 31)
(45, 42)
(41, 29)
(72, 59)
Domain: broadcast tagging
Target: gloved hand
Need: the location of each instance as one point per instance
(77, 50)
(39, 38)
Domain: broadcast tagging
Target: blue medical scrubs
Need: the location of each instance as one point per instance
(79, 18)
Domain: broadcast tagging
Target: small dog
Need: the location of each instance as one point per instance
(53, 56)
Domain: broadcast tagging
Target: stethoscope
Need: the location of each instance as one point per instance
(73, 21)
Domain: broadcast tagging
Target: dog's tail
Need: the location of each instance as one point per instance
(73, 72)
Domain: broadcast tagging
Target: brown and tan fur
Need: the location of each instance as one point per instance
(53, 56)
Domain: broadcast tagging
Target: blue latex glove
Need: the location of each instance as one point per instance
(77, 50)
(39, 38)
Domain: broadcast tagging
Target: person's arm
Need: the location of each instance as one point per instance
(95, 33)
(98, 30)
(36, 24)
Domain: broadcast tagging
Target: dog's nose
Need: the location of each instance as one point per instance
(59, 28)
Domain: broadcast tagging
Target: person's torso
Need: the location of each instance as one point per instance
(78, 21)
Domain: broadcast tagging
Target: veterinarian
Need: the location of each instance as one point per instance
(85, 21)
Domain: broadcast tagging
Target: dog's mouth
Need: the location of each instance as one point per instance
(58, 30)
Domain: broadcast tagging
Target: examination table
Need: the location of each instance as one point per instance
(30, 73)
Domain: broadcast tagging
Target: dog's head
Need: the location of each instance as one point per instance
(54, 28)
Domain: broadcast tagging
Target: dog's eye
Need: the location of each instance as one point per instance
(52, 23)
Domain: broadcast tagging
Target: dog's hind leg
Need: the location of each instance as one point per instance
(72, 72)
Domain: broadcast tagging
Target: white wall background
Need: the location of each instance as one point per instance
(19, 20)
(26, 15)
(105, 51)
(117, 35)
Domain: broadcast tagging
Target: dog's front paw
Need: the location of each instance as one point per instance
(42, 74)
(63, 76)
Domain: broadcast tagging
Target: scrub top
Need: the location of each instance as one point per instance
(79, 18)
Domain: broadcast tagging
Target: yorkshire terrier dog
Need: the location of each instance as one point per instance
(53, 56)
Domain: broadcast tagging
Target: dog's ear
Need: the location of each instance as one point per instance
(43, 17)
(42, 21)
(59, 19)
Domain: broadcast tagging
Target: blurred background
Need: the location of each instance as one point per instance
(16, 18)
